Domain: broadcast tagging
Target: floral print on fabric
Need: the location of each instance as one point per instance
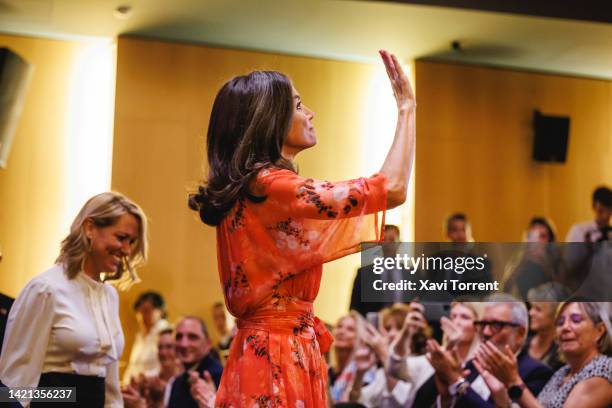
(270, 258)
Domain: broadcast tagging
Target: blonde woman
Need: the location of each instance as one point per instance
(349, 334)
(460, 335)
(584, 335)
(64, 328)
(385, 390)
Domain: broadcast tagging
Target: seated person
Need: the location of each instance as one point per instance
(150, 309)
(542, 345)
(202, 374)
(384, 390)
(583, 333)
(503, 326)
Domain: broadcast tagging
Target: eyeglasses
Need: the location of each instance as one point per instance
(575, 318)
(495, 325)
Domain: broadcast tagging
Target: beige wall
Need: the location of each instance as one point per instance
(163, 99)
(474, 149)
(38, 196)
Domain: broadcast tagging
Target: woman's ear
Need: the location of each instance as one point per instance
(601, 331)
(88, 228)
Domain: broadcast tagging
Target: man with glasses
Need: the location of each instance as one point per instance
(504, 324)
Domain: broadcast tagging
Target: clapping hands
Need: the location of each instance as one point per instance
(447, 363)
(413, 322)
(451, 330)
(202, 389)
(501, 364)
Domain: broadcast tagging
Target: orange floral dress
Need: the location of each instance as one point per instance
(271, 256)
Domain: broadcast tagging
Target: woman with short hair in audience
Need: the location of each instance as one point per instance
(541, 345)
(584, 332)
(63, 329)
(151, 315)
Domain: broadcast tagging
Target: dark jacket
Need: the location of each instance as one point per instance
(534, 374)
(180, 394)
(5, 307)
(356, 304)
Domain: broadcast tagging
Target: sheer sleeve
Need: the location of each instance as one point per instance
(27, 335)
(326, 219)
(265, 247)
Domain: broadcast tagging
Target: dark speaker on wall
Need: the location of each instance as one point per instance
(15, 75)
(551, 135)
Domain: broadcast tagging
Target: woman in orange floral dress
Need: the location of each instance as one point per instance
(275, 229)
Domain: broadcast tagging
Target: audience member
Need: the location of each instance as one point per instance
(151, 315)
(226, 335)
(196, 386)
(537, 262)
(583, 333)
(391, 235)
(349, 335)
(541, 345)
(459, 335)
(5, 306)
(504, 327)
(383, 390)
(459, 233)
(587, 265)
(151, 391)
(458, 228)
(599, 229)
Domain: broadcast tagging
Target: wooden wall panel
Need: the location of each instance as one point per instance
(474, 127)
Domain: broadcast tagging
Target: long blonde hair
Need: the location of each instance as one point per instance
(103, 210)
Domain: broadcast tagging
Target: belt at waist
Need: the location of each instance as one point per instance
(290, 322)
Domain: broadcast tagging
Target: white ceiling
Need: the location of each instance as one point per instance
(337, 29)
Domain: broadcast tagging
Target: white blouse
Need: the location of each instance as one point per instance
(64, 325)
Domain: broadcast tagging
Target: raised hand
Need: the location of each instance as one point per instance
(364, 359)
(413, 322)
(446, 362)
(451, 330)
(132, 398)
(501, 364)
(155, 390)
(498, 389)
(202, 389)
(377, 342)
(402, 90)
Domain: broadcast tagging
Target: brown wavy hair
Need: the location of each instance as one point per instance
(249, 123)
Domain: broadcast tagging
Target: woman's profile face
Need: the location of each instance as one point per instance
(541, 316)
(110, 244)
(301, 134)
